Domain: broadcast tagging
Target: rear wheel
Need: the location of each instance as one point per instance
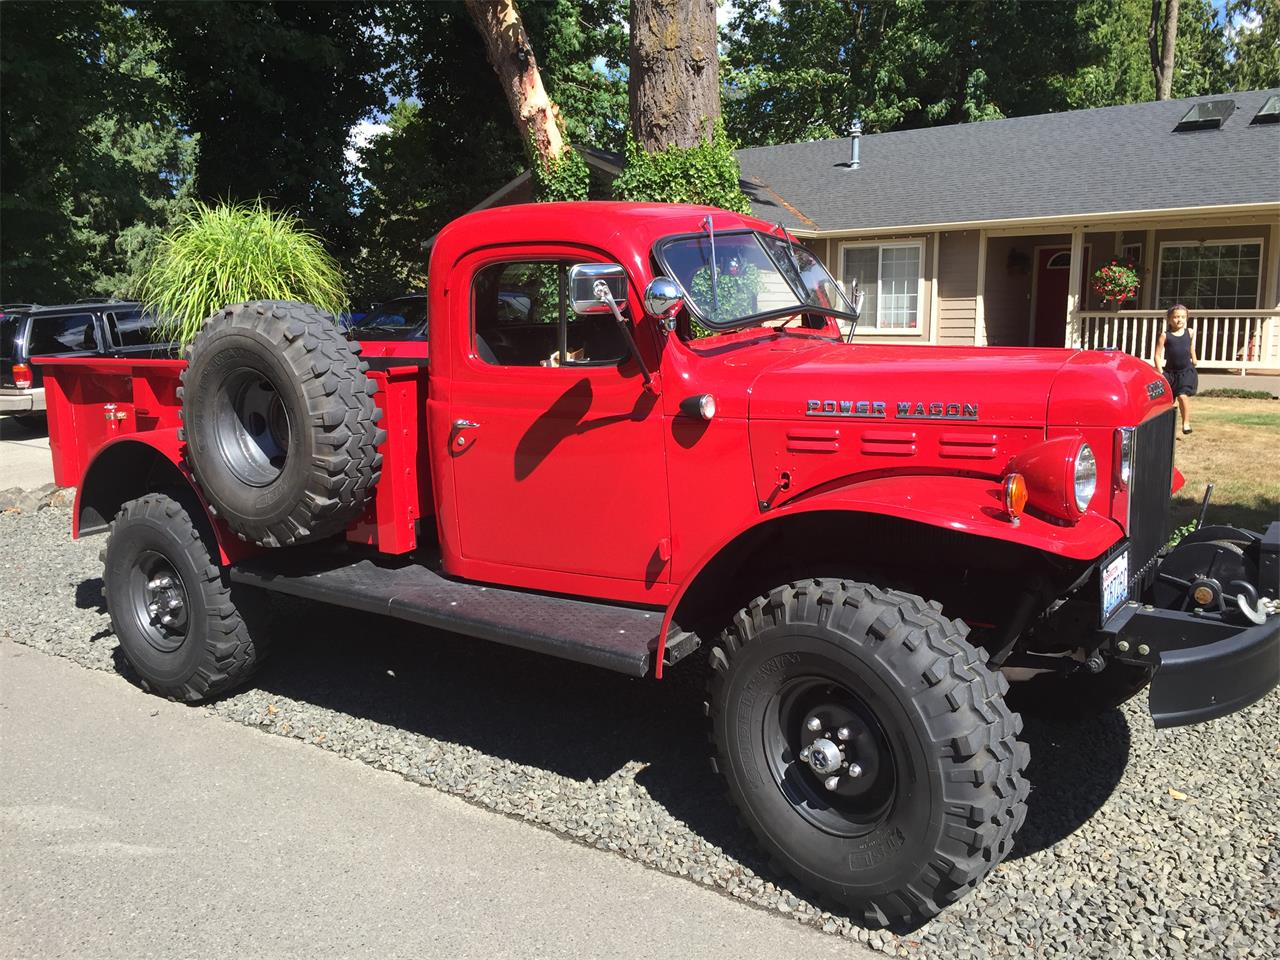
(171, 608)
(867, 746)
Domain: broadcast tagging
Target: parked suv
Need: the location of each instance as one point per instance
(96, 329)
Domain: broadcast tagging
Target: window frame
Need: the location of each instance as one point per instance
(563, 263)
(917, 329)
(1237, 241)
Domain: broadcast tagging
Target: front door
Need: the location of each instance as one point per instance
(1053, 275)
(557, 446)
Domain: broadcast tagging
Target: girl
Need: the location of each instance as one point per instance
(1178, 345)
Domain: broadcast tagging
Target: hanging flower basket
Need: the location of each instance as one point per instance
(1116, 282)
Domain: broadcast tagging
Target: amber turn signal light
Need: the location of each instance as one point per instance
(1015, 496)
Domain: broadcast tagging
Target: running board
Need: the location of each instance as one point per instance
(603, 635)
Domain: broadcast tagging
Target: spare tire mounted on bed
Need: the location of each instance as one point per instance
(280, 422)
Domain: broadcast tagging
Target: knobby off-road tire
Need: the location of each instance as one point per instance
(280, 422)
(204, 647)
(939, 791)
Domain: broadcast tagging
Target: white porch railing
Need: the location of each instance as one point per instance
(1238, 340)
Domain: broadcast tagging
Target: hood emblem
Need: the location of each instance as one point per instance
(1156, 389)
(903, 409)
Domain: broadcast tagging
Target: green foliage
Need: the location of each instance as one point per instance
(232, 254)
(735, 294)
(803, 69)
(1180, 533)
(706, 173)
(96, 163)
(1236, 393)
(273, 89)
(1255, 44)
(565, 178)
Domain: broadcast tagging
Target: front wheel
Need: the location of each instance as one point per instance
(868, 746)
(171, 608)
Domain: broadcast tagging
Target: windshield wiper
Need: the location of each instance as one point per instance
(715, 280)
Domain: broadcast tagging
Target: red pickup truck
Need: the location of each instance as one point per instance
(644, 434)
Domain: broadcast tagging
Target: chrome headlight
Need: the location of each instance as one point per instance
(1086, 476)
(1124, 457)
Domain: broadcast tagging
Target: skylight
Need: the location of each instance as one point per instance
(1208, 115)
(1270, 112)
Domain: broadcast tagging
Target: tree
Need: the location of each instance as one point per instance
(273, 89)
(512, 58)
(95, 162)
(800, 69)
(1255, 44)
(1162, 39)
(675, 72)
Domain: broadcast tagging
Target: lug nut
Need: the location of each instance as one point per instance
(855, 770)
(1122, 646)
(831, 782)
(160, 583)
(175, 604)
(804, 754)
(1143, 649)
(153, 608)
(813, 724)
(844, 733)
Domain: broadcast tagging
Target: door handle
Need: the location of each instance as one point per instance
(457, 442)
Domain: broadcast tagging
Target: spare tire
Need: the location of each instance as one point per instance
(280, 423)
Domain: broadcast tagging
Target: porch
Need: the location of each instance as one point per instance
(1236, 341)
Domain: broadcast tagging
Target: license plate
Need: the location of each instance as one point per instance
(1115, 583)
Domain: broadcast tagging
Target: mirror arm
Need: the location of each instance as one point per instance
(601, 290)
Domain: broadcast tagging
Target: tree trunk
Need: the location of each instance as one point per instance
(537, 117)
(675, 72)
(1162, 54)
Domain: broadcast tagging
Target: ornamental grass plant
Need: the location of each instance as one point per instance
(233, 253)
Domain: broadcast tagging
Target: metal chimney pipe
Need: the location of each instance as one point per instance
(855, 140)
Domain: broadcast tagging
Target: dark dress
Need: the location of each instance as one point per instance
(1178, 370)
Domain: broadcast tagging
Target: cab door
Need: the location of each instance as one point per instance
(555, 443)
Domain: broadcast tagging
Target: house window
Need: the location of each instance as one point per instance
(889, 275)
(1210, 276)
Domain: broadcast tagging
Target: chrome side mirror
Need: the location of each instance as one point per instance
(583, 278)
(858, 298)
(663, 300)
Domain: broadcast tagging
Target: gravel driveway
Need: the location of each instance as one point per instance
(1137, 843)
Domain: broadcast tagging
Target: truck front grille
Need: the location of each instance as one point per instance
(1150, 491)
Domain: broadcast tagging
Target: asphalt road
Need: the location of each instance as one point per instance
(132, 827)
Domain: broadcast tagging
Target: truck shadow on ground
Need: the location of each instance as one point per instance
(585, 724)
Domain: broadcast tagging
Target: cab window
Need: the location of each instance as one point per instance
(522, 318)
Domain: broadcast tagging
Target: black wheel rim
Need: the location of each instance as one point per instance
(251, 427)
(159, 601)
(817, 713)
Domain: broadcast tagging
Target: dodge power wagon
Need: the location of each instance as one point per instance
(643, 435)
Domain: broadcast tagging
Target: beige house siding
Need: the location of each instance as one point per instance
(957, 286)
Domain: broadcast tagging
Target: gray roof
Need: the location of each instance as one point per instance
(1081, 162)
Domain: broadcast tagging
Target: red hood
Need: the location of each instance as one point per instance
(988, 385)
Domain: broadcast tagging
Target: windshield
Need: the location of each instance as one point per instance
(757, 277)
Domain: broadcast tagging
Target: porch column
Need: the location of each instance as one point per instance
(979, 306)
(1073, 286)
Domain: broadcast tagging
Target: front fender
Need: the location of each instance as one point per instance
(967, 505)
(139, 463)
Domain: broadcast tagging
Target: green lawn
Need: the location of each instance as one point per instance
(1236, 446)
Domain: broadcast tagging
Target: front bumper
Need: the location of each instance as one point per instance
(1204, 668)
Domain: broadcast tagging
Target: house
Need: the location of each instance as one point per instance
(988, 233)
